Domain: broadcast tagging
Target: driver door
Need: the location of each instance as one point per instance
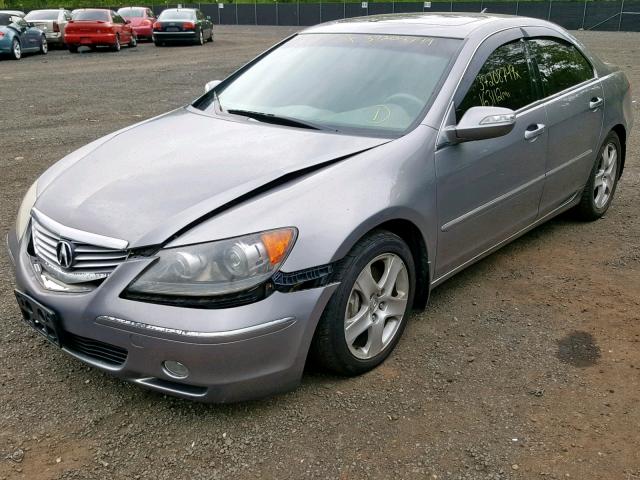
(488, 190)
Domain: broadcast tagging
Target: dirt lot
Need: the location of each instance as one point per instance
(527, 365)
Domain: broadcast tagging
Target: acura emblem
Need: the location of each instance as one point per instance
(64, 253)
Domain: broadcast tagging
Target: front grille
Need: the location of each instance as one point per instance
(95, 349)
(86, 258)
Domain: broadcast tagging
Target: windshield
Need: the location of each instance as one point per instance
(177, 15)
(95, 15)
(131, 12)
(378, 84)
(42, 15)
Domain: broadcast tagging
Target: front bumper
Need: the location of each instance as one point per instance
(232, 354)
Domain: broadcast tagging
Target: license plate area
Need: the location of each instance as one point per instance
(42, 319)
(172, 29)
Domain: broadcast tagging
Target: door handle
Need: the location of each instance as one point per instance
(533, 131)
(595, 103)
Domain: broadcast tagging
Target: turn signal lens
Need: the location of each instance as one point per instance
(277, 244)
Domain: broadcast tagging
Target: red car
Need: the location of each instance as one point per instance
(141, 19)
(93, 27)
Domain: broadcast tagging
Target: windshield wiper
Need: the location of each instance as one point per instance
(279, 120)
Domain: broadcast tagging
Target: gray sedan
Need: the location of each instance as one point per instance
(302, 207)
(52, 22)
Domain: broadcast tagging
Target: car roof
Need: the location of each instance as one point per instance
(438, 24)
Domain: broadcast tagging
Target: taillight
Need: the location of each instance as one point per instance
(157, 26)
(56, 27)
(1, 34)
(188, 25)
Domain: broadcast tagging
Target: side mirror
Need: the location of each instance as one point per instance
(211, 85)
(481, 123)
(127, 22)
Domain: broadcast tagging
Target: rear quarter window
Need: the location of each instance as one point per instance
(560, 64)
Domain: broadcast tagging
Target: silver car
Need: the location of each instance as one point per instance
(303, 206)
(52, 22)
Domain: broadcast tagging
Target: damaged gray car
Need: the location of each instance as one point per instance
(304, 205)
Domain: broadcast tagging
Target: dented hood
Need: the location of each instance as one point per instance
(148, 182)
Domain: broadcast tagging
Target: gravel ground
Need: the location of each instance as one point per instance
(524, 366)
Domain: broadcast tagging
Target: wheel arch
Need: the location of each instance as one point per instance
(622, 136)
(413, 236)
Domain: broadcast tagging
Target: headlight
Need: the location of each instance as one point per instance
(216, 268)
(24, 213)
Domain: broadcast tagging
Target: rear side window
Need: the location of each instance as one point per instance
(561, 65)
(503, 81)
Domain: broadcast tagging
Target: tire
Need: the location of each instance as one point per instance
(344, 353)
(158, 43)
(16, 50)
(116, 46)
(210, 39)
(133, 43)
(44, 46)
(603, 180)
(73, 48)
(200, 39)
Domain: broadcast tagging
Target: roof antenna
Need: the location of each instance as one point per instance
(484, 10)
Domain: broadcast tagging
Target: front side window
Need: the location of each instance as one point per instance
(362, 83)
(503, 81)
(560, 64)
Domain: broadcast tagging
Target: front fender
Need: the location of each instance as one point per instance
(337, 205)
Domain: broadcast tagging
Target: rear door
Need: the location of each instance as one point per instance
(488, 190)
(575, 104)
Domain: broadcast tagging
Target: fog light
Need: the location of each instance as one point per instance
(175, 369)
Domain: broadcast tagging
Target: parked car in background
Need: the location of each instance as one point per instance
(182, 25)
(52, 22)
(142, 20)
(17, 36)
(96, 27)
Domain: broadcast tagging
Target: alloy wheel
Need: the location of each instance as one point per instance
(45, 46)
(606, 176)
(376, 306)
(17, 51)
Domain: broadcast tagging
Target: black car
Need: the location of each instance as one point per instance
(182, 25)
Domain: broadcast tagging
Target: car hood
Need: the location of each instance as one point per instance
(146, 183)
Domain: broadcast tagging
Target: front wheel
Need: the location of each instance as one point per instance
(44, 46)
(601, 186)
(16, 51)
(366, 315)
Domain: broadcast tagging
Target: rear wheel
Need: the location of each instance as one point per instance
(133, 42)
(158, 43)
(200, 39)
(73, 48)
(599, 191)
(16, 51)
(116, 46)
(44, 46)
(210, 39)
(366, 315)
